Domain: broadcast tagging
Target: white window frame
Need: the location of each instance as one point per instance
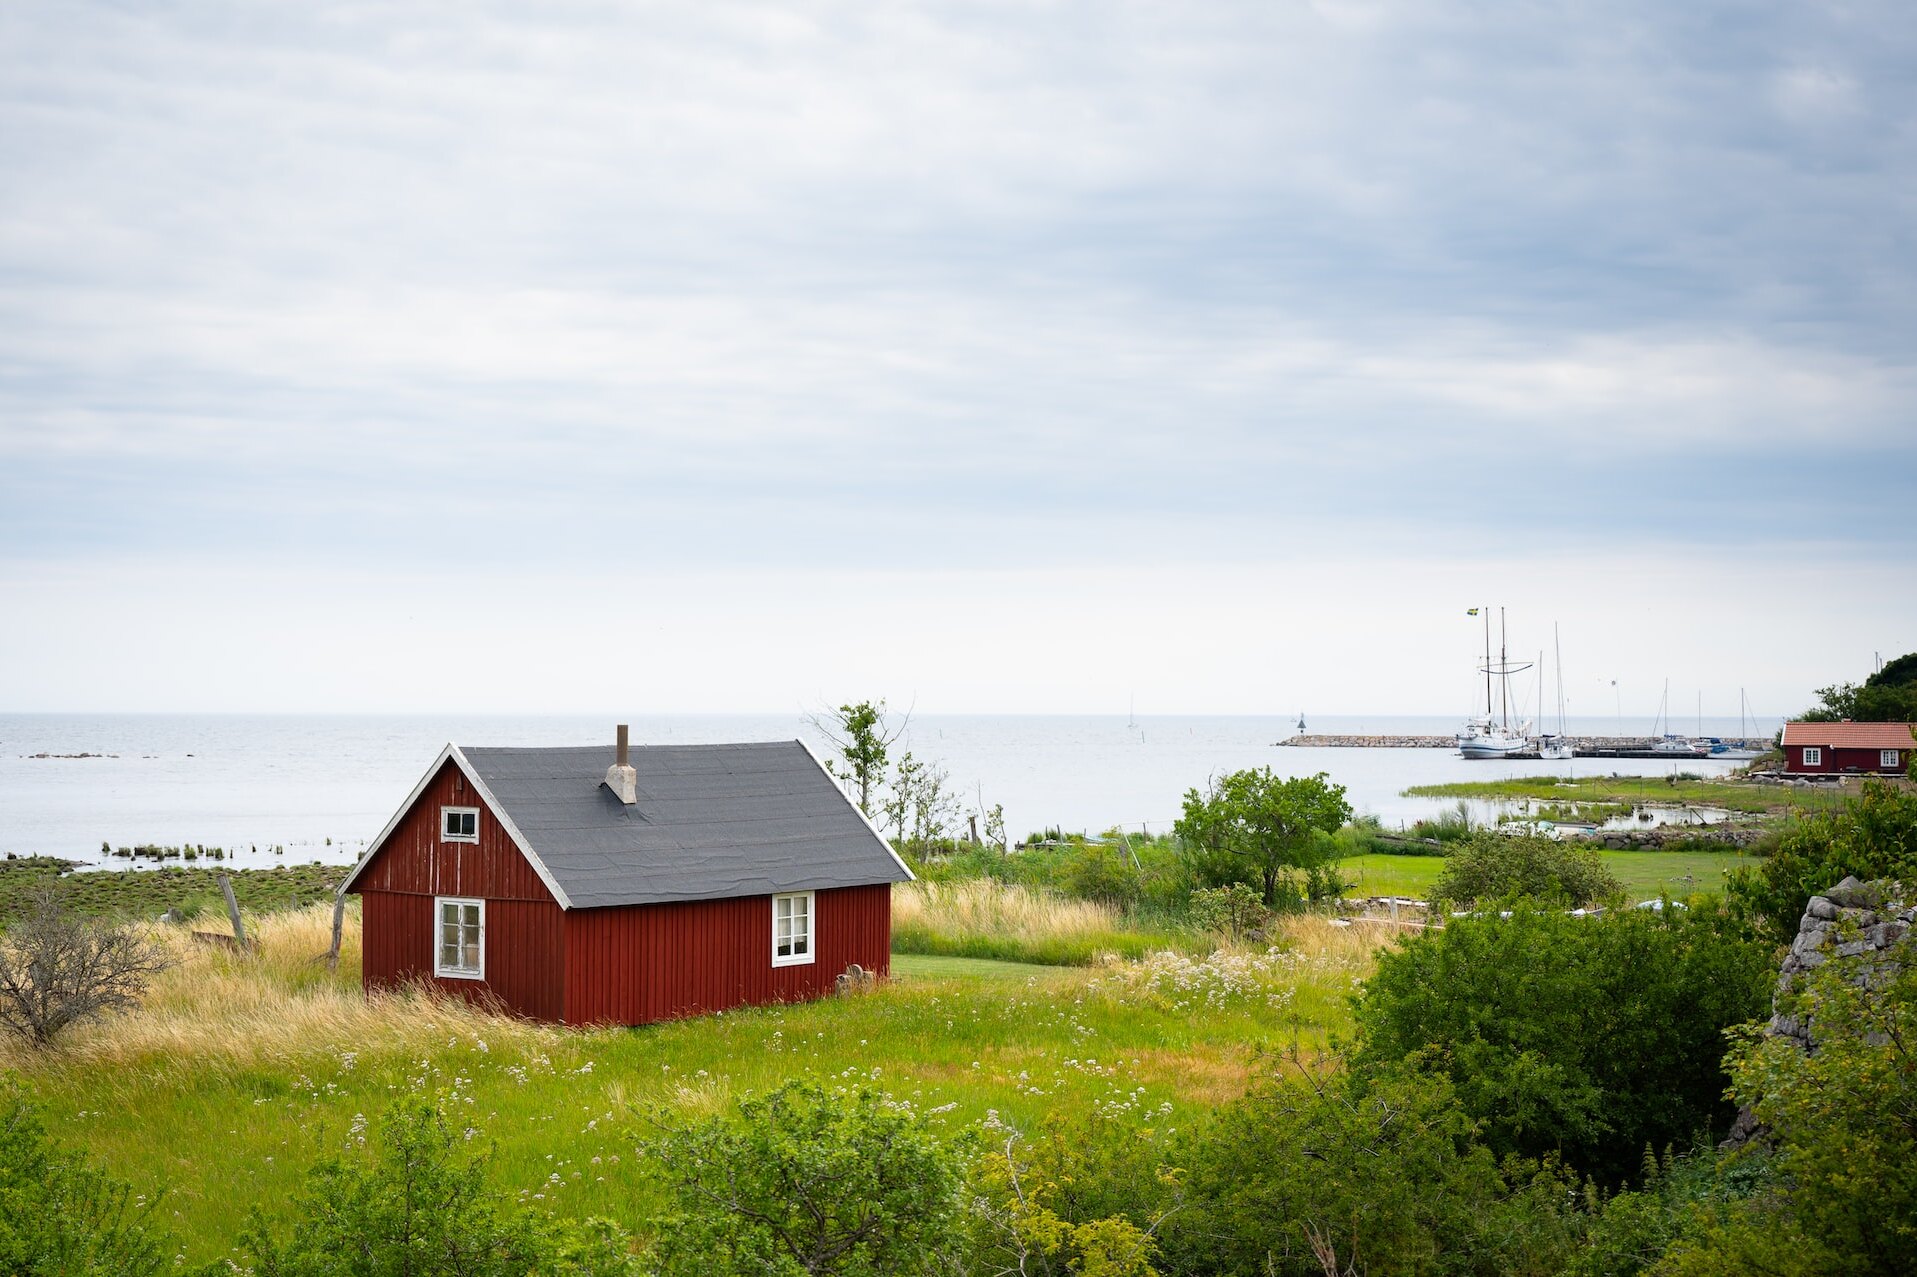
(446, 812)
(1813, 755)
(1887, 758)
(441, 970)
(810, 940)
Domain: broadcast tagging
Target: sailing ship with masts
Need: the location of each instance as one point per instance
(1492, 734)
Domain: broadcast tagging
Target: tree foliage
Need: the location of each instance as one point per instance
(858, 732)
(422, 1204)
(1872, 836)
(1271, 831)
(1086, 1195)
(1489, 866)
(59, 1217)
(1888, 696)
(58, 969)
(805, 1180)
(1323, 1171)
(1587, 1037)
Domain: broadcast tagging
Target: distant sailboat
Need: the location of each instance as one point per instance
(1490, 734)
(1556, 746)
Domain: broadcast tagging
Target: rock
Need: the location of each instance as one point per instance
(1821, 907)
(1852, 893)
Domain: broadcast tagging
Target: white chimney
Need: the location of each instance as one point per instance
(620, 778)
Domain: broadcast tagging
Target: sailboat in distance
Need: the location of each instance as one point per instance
(1490, 734)
(1556, 746)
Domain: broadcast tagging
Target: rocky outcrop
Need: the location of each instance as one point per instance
(1673, 836)
(1863, 922)
(1864, 925)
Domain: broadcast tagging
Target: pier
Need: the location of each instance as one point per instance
(1582, 746)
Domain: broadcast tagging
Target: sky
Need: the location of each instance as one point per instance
(988, 357)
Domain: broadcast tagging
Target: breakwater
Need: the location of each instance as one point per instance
(1585, 746)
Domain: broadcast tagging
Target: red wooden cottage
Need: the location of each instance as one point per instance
(1847, 747)
(605, 885)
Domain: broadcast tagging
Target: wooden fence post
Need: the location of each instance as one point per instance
(339, 918)
(233, 911)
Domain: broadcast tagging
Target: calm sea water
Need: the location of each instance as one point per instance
(321, 786)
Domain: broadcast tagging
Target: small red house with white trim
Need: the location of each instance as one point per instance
(1813, 749)
(608, 885)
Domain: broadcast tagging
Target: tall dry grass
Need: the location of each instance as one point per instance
(984, 906)
(228, 1010)
(984, 918)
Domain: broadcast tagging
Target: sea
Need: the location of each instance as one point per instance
(298, 788)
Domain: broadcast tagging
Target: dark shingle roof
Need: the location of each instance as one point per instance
(711, 821)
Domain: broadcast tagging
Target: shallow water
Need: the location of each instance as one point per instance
(299, 781)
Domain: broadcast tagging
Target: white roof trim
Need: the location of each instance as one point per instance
(820, 763)
(493, 805)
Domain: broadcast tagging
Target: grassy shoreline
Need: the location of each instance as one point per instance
(1750, 797)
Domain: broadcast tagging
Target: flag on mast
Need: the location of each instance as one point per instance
(1471, 611)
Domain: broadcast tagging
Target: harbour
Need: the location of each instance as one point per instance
(1582, 746)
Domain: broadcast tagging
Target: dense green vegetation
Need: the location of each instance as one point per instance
(1750, 796)
(1888, 696)
(1491, 868)
(1873, 837)
(148, 893)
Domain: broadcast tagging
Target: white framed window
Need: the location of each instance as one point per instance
(459, 824)
(1888, 758)
(792, 929)
(459, 941)
(1813, 756)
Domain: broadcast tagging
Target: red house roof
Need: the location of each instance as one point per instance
(1850, 735)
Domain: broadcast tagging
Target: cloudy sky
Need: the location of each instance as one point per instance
(992, 356)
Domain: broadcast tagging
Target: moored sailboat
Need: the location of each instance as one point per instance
(1490, 734)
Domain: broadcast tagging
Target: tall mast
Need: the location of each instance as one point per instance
(1504, 684)
(1487, 662)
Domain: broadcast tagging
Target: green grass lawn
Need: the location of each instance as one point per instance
(1645, 874)
(148, 893)
(565, 1110)
(1752, 797)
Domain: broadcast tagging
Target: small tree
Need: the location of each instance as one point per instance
(1492, 866)
(858, 733)
(1257, 827)
(58, 969)
(803, 1180)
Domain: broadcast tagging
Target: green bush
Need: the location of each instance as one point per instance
(808, 1181)
(1588, 1037)
(59, 1216)
(1489, 868)
(1329, 1172)
(1872, 836)
(423, 1205)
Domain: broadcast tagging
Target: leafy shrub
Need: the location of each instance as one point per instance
(1588, 1037)
(1235, 910)
(1257, 827)
(1488, 867)
(1329, 1172)
(1872, 836)
(805, 1180)
(423, 1205)
(60, 1216)
(1086, 1195)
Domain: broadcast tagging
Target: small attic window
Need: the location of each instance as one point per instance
(459, 824)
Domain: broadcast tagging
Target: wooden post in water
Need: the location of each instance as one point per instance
(233, 911)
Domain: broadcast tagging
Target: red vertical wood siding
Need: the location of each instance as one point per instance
(525, 928)
(640, 963)
(1844, 758)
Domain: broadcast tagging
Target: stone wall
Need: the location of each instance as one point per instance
(1860, 921)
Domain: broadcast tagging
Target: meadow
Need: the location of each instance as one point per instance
(1748, 796)
(242, 1069)
(1645, 874)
